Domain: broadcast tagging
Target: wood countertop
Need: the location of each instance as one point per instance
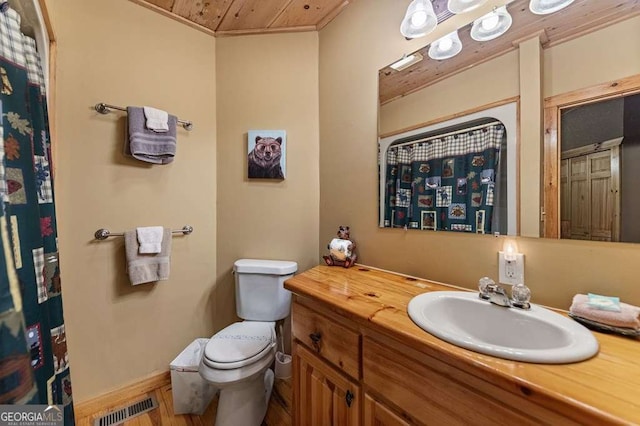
(606, 388)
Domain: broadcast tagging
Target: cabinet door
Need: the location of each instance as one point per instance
(376, 414)
(322, 395)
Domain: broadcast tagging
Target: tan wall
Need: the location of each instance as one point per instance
(120, 53)
(595, 58)
(555, 270)
(267, 82)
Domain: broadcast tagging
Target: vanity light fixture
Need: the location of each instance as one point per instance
(544, 7)
(492, 25)
(462, 6)
(419, 20)
(406, 61)
(446, 47)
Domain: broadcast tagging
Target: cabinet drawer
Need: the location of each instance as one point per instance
(436, 393)
(328, 339)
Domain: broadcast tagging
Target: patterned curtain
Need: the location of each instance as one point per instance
(34, 365)
(444, 184)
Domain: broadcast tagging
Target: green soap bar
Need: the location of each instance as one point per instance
(604, 303)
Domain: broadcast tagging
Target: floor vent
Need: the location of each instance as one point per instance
(125, 413)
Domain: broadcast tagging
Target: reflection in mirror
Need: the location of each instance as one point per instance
(585, 44)
(600, 150)
(452, 175)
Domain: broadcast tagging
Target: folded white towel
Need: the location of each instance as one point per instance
(150, 239)
(146, 268)
(157, 119)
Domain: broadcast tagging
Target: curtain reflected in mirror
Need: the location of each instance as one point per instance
(454, 180)
(600, 151)
(458, 174)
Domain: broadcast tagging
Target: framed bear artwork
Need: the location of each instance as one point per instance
(266, 158)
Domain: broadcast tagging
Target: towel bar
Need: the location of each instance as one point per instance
(103, 108)
(103, 234)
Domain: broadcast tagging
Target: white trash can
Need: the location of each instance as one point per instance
(191, 393)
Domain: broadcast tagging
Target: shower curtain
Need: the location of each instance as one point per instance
(444, 184)
(34, 364)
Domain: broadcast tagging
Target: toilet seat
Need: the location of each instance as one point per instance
(240, 344)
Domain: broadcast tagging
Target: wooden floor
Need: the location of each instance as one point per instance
(278, 414)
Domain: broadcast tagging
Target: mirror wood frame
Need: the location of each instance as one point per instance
(553, 107)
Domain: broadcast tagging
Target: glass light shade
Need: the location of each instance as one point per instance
(544, 7)
(462, 6)
(419, 20)
(445, 47)
(492, 25)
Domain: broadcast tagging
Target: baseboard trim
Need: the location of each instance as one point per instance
(119, 396)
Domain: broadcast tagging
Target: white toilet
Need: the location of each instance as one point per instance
(236, 360)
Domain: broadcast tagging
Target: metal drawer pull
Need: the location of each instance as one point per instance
(349, 398)
(315, 339)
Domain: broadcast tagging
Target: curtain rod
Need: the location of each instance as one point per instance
(455, 132)
(103, 108)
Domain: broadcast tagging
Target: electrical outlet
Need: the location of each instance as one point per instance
(511, 271)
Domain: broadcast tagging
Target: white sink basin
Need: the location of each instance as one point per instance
(537, 335)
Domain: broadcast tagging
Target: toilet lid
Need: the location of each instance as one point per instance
(240, 341)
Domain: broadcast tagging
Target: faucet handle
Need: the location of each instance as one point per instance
(484, 285)
(520, 296)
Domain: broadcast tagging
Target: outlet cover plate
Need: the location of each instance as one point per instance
(511, 272)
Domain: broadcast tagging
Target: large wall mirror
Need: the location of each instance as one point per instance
(424, 105)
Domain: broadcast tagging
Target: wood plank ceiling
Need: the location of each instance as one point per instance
(581, 17)
(235, 17)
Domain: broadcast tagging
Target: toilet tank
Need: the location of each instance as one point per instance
(260, 292)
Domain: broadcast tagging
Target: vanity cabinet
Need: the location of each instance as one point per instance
(327, 373)
(330, 353)
(358, 359)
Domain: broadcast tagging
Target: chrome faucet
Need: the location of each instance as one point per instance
(496, 294)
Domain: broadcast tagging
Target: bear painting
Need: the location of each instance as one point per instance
(265, 159)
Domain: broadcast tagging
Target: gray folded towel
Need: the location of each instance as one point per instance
(147, 145)
(146, 268)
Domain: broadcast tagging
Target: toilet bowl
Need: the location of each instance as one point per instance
(236, 360)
